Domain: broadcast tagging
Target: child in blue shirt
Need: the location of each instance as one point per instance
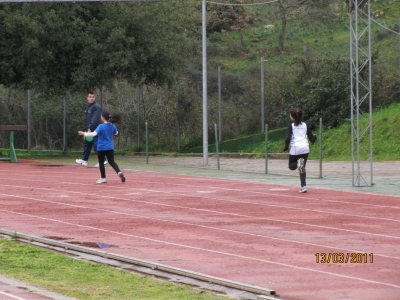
(105, 144)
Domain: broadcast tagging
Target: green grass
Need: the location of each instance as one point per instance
(83, 280)
(337, 142)
(321, 36)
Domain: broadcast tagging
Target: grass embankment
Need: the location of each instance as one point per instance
(83, 280)
(336, 143)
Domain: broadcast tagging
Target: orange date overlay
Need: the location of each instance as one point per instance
(344, 258)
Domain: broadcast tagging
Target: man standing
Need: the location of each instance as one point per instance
(92, 120)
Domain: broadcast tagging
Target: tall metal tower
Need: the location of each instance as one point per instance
(361, 92)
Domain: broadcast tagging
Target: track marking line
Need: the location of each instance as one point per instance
(229, 214)
(212, 251)
(12, 296)
(262, 204)
(203, 226)
(249, 191)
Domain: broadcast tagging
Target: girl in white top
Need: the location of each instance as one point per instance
(298, 134)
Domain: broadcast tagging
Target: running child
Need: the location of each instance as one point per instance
(105, 144)
(298, 133)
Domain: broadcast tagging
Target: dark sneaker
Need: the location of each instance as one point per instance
(121, 175)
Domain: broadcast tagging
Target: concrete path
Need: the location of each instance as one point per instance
(335, 174)
(11, 289)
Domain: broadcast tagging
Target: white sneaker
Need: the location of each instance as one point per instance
(102, 180)
(81, 162)
(98, 165)
(303, 189)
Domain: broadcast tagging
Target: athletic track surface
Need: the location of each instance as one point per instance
(261, 234)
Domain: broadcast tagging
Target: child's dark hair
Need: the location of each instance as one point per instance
(297, 115)
(110, 118)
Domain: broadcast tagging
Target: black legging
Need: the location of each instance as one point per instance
(101, 155)
(293, 166)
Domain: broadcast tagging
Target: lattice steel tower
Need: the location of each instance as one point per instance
(361, 92)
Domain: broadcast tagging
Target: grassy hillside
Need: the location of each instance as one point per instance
(316, 37)
(329, 33)
(337, 142)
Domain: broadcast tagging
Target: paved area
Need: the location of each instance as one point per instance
(11, 289)
(385, 176)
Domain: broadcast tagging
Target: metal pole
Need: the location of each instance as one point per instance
(305, 52)
(262, 94)
(219, 106)
(352, 91)
(29, 120)
(320, 147)
(101, 98)
(205, 116)
(138, 116)
(266, 148)
(370, 91)
(357, 67)
(147, 145)
(65, 124)
(179, 121)
(216, 144)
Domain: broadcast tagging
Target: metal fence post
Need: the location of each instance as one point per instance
(262, 95)
(266, 148)
(320, 147)
(29, 119)
(65, 124)
(216, 144)
(147, 145)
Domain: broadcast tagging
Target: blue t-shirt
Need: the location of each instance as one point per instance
(105, 136)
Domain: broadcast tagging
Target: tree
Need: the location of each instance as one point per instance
(289, 10)
(75, 46)
(225, 18)
(321, 89)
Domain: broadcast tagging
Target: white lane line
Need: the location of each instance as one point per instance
(225, 213)
(211, 251)
(249, 191)
(257, 203)
(185, 223)
(12, 296)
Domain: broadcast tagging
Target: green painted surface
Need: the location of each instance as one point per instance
(243, 144)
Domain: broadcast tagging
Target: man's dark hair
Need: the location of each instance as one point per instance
(90, 93)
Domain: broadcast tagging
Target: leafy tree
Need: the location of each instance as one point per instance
(289, 10)
(75, 46)
(224, 18)
(322, 91)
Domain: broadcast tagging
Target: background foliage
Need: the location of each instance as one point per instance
(60, 50)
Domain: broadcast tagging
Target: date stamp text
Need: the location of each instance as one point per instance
(344, 258)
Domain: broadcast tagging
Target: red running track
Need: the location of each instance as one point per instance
(255, 233)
